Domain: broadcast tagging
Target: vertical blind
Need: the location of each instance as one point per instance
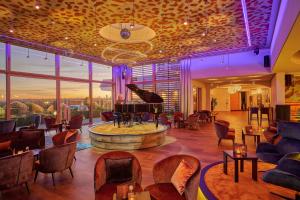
(167, 83)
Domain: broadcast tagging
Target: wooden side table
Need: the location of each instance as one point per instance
(255, 135)
(249, 156)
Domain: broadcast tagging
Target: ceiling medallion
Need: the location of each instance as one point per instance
(131, 43)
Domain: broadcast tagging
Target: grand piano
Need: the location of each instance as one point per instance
(153, 104)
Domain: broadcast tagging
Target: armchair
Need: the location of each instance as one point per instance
(107, 116)
(178, 119)
(51, 124)
(65, 137)
(104, 189)
(75, 123)
(32, 138)
(16, 170)
(287, 173)
(55, 159)
(289, 143)
(162, 174)
(223, 131)
(192, 122)
(6, 128)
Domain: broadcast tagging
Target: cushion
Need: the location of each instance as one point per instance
(165, 191)
(69, 134)
(181, 175)
(4, 146)
(118, 170)
(287, 145)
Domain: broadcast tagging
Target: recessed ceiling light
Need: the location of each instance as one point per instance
(232, 78)
(203, 34)
(37, 7)
(95, 45)
(132, 26)
(11, 30)
(185, 23)
(214, 40)
(212, 79)
(66, 38)
(160, 51)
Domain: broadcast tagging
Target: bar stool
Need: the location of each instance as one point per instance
(253, 111)
(265, 111)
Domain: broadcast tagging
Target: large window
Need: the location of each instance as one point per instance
(74, 68)
(74, 100)
(2, 96)
(32, 61)
(102, 98)
(2, 56)
(31, 97)
(33, 88)
(102, 72)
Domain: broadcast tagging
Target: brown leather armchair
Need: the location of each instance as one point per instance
(16, 170)
(223, 131)
(75, 123)
(105, 190)
(55, 159)
(163, 171)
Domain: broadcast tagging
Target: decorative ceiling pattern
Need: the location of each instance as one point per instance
(213, 26)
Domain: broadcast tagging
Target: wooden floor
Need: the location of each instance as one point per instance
(201, 143)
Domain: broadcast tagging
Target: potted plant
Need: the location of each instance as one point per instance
(213, 103)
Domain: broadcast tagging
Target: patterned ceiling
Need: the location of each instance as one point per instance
(75, 25)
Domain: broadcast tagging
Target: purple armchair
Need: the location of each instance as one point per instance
(289, 143)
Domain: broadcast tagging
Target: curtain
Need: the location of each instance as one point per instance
(186, 87)
(121, 76)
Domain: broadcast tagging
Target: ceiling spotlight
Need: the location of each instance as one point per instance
(95, 45)
(37, 5)
(203, 34)
(214, 40)
(11, 30)
(66, 38)
(132, 25)
(185, 23)
(160, 51)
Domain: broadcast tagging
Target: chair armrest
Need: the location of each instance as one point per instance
(266, 147)
(290, 163)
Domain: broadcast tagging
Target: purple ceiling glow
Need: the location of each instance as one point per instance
(246, 22)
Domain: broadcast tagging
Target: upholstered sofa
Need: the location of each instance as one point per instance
(16, 170)
(289, 143)
(287, 172)
(163, 171)
(104, 186)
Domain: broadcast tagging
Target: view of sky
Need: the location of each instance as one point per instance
(32, 61)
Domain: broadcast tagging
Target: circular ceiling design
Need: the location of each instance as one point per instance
(139, 33)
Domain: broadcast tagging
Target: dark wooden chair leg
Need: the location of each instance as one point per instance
(53, 179)
(27, 188)
(36, 175)
(71, 172)
(219, 142)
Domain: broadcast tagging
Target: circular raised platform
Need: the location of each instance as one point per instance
(140, 136)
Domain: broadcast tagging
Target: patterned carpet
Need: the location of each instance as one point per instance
(216, 185)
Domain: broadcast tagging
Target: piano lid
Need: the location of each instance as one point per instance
(148, 97)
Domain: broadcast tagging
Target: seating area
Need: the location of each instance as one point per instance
(150, 100)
